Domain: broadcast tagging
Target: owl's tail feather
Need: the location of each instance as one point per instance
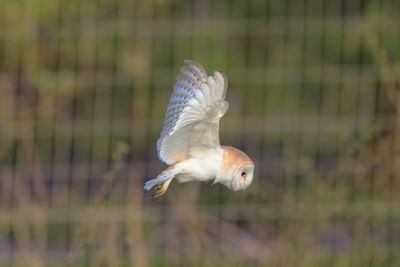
(165, 175)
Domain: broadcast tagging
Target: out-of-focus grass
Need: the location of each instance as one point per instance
(314, 94)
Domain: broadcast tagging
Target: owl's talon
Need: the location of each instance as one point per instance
(160, 190)
(157, 189)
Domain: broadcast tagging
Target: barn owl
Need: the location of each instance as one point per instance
(189, 142)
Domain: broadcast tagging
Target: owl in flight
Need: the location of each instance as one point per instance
(189, 141)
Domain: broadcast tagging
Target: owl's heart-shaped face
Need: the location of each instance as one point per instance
(242, 177)
(237, 169)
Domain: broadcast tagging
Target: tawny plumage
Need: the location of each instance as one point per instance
(189, 141)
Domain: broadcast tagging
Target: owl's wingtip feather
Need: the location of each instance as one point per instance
(191, 61)
(149, 184)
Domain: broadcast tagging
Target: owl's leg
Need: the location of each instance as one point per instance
(162, 181)
(161, 189)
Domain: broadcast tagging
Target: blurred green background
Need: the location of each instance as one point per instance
(314, 98)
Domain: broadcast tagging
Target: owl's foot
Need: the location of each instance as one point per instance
(158, 192)
(160, 189)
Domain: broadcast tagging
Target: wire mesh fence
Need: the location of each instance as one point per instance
(314, 100)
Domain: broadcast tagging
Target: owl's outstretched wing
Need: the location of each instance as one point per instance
(191, 123)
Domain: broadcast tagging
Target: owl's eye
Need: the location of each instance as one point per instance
(244, 175)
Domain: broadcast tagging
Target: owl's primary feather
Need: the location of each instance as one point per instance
(192, 119)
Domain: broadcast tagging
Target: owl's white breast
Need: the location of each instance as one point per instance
(201, 167)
